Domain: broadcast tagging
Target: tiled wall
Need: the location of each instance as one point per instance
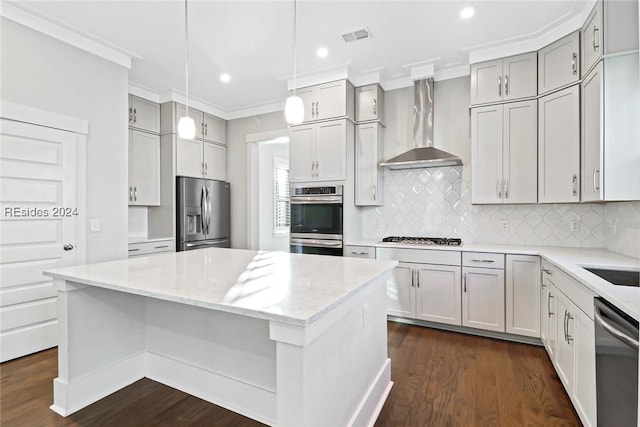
(622, 228)
(437, 202)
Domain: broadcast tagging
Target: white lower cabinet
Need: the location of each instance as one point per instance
(401, 293)
(438, 293)
(522, 295)
(483, 298)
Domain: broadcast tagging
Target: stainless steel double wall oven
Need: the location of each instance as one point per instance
(316, 220)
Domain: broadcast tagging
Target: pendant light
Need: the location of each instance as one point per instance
(294, 108)
(186, 125)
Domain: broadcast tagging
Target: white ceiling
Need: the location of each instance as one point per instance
(252, 40)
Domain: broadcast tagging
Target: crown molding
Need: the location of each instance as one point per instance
(143, 92)
(255, 111)
(55, 31)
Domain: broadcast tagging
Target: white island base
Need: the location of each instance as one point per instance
(333, 371)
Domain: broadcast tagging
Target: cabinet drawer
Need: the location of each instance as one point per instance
(360, 252)
(148, 248)
(482, 259)
(424, 256)
(578, 293)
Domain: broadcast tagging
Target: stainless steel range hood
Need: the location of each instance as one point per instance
(424, 155)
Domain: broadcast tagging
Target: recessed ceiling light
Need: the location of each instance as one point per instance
(225, 78)
(322, 52)
(467, 12)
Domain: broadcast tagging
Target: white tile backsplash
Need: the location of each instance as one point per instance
(622, 225)
(437, 202)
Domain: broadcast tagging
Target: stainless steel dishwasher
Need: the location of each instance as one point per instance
(616, 336)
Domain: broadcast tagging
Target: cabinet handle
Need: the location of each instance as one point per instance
(506, 188)
(564, 325)
(317, 168)
(358, 253)
(595, 30)
(130, 114)
(375, 107)
(575, 184)
(161, 247)
(464, 283)
(130, 193)
(373, 192)
(206, 129)
(135, 116)
(413, 278)
(417, 278)
(499, 189)
(499, 86)
(506, 85)
(569, 337)
(135, 194)
(574, 63)
(483, 260)
(317, 109)
(202, 168)
(549, 312)
(596, 187)
(134, 250)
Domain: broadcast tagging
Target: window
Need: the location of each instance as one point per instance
(281, 200)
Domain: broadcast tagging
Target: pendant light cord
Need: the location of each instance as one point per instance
(295, 25)
(186, 55)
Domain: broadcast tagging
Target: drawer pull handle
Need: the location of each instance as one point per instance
(483, 260)
(133, 250)
(359, 253)
(160, 247)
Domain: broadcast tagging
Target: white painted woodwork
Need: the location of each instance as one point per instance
(565, 327)
(368, 252)
(37, 171)
(559, 63)
(208, 127)
(610, 102)
(369, 103)
(144, 168)
(180, 110)
(307, 94)
(189, 160)
(504, 79)
(369, 176)
(592, 38)
(559, 146)
(215, 161)
(151, 247)
(401, 292)
(579, 294)
(552, 316)
(214, 129)
(327, 101)
(483, 298)
(503, 143)
(584, 381)
(144, 114)
(522, 295)
(318, 151)
(439, 295)
(441, 257)
(483, 259)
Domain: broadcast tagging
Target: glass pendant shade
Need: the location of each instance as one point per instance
(294, 110)
(186, 128)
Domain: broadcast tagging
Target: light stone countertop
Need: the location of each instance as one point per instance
(570, 260)
(290, 288)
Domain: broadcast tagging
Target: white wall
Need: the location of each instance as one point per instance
(237, 131)
(267, 153)
(40, 72)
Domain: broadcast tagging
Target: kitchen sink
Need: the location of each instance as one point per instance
(617, 277)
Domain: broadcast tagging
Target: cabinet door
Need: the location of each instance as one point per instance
(558, 63)
(439, 294)
(144, 168)
(592, 137)
(523, 295)
(483, 298)
(331, 100)
(520, 76)
(307, 94)
(367, 173)
(592, 39)
(401, 292)
(486, 82)
(486, 154)
(559, 146)
(565, 327)
(584, 385)
(331, 151)
(214, 129)
(215, 161)
(189, 158)
(552, 321)
(196, 115)
(368, 103)
(144, 114)
(302, 153)
(520, 142)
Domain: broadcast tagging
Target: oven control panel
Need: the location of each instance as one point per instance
(308, 191)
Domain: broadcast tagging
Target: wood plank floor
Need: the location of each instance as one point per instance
(441, 379)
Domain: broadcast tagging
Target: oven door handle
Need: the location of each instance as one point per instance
(316, 243)
(319, 200)
(630, 341)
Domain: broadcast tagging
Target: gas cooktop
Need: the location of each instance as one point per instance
(423, 240)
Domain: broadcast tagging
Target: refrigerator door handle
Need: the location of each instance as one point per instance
(203, 210)
(209, 210)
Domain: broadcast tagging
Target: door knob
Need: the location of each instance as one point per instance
(68, 247)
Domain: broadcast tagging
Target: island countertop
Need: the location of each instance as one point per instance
(290, 288)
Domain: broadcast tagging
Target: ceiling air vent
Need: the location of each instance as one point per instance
(353, 36)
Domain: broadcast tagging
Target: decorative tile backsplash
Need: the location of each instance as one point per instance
(437, 202)
(622, 228)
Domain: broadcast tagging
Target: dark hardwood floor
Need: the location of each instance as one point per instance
(441, 379)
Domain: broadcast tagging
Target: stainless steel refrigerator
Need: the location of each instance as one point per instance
(203, 211)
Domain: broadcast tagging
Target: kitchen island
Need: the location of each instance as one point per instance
(286, 339)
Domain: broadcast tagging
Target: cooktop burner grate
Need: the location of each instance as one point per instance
(446, 241)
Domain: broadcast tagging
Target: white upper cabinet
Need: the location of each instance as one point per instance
(504, 79)
(559, 63)
(143, 114)
(144, 168)
(503, 144)
(370, 103)
(559, 146)
(368, 155)
(214, 157)
(612, 27)
(189, 157)
(610, 128)
(208, 127)
(214, 129)
(328, 101)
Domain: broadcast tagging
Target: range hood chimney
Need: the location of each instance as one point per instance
(424, 154)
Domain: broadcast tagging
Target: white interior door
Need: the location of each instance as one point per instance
(39, 219)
